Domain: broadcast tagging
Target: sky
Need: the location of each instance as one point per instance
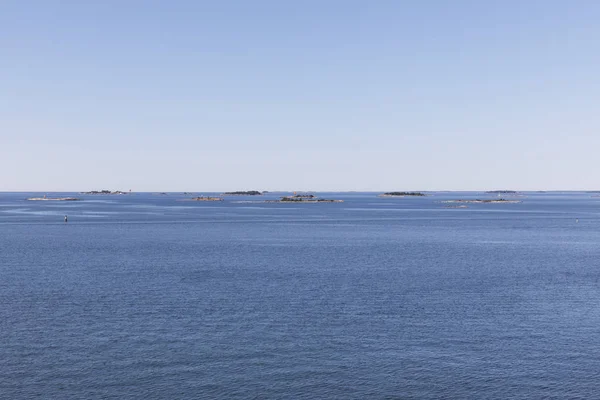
(326, 95)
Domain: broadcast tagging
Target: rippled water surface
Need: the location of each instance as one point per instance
(155, 297)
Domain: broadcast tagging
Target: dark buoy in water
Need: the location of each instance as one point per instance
(66, 219)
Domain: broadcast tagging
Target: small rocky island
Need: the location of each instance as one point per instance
(243, 193)
(206, 198)
(502, 192)
(402, 194)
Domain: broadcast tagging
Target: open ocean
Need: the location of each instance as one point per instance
(144, 296)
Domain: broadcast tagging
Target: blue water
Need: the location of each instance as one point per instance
(148, 296)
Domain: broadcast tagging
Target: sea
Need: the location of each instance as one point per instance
(156, 296)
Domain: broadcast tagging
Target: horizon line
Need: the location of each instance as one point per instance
(303, 190)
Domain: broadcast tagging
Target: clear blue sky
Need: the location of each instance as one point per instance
(299, 95)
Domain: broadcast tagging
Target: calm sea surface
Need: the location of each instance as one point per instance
(145, 296)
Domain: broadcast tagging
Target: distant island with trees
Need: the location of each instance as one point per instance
(402, 194)
(243, 193)
(303, 198)
(104, 192)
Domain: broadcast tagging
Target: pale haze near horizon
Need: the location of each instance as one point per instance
(312, 95)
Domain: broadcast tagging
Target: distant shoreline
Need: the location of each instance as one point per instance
(272, 192)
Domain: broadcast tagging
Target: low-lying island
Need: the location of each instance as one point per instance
(206, 198)
(303, 199)
(53, 199)
(478, 201)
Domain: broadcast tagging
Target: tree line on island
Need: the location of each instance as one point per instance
(402, 194)
(243, 193)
